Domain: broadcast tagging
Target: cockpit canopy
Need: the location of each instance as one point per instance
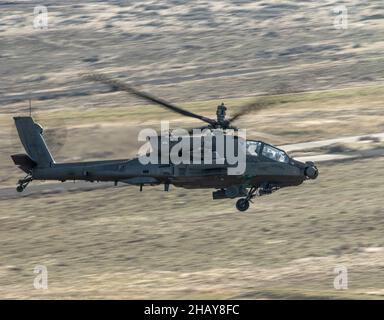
(253, 148)
(257, 148)
(275, 154)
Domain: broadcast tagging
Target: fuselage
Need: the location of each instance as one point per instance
(260, 168)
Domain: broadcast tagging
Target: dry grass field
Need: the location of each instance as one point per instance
(120, 243)
(117, 243)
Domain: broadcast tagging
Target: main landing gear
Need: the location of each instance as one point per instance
(243, 203)
(22, 183)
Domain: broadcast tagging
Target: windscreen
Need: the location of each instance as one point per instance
(275, 154)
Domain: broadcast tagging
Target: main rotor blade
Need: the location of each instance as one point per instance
(253, 106)
(118, 85)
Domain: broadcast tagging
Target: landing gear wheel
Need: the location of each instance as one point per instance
(242, 204)
(23, 183)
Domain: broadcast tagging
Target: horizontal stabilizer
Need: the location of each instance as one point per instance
(24, 162)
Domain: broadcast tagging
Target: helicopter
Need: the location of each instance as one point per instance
(267, 168)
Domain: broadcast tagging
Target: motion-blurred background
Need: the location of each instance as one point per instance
(325, 79)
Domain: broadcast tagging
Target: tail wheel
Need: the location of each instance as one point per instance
(242, 204)
(22, 183)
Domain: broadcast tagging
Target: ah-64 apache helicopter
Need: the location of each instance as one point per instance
(267, 168)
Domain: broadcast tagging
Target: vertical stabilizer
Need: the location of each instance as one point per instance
(31, 136)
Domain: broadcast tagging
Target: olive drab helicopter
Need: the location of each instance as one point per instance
(267, 168)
